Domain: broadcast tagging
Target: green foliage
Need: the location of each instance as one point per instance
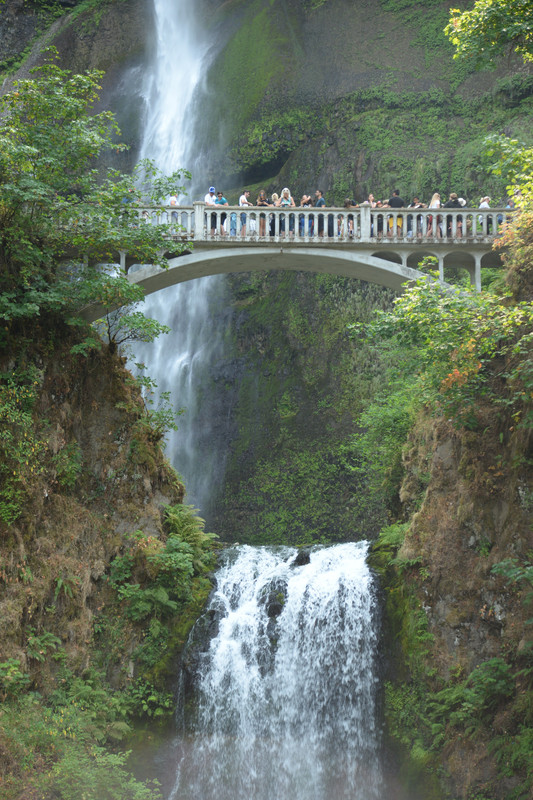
(186, 527)
(66, 585)
(469, 348)
(38, 645)
(98, 775)
(142, 603)
(13, 680)
(55, 203)
(121, 569)
(153, 421)
(21, 449)
(291, 476)
(133, 326)
(68, 464)
(492, 28)
(385, 424)
(514, 161)
(59, 747)
(165, 569)
(469, 704)
(513, 755)
(274, 135)
(393, 535)
(520, 574)
(515, 572)
(150, 701)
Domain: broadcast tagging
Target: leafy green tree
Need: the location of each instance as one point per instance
(492, 28)
(514, 161)
(59, 215)
(472, 349)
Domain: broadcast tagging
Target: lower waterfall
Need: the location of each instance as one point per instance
(284, 671)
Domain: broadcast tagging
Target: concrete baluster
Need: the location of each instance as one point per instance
(365, 223)
(200, 221)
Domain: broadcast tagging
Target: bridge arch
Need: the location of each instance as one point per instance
(213, 261)
(388, 255)
(346, 263)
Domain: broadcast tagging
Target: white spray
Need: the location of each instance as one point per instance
(286, 693)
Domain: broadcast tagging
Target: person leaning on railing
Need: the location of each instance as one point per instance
(262, 201)
(453, 202)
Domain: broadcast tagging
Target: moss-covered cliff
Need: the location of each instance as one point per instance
(353, 97)
(293, 473)
(102, 567)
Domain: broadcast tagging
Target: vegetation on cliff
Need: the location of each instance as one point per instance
(457, 576)
(102, 568)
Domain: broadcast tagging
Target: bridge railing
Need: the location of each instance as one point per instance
(229, 224)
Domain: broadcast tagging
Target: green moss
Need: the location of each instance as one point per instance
(251, 71)
(291, 477)
(164, 670)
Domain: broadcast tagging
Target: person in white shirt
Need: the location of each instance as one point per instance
(210, 200)
(243, 201)
(174, 202)
(484, 203)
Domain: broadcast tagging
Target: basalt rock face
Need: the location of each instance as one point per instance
(113, 38)
(474, 514)
(345, 95)
(101, 480)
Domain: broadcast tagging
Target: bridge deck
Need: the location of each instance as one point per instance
(383, 246)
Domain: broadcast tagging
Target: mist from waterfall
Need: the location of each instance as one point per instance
(285, 691)
(182, 362)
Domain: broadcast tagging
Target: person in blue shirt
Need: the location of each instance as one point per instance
(320, 203)
(221, 201)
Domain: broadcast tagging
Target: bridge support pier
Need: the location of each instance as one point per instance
(477, 272)
(441, 269)
(122, 255)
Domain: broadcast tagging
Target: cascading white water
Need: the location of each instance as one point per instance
(175, 93)
(286, 691)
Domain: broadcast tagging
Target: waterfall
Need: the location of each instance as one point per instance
(182, 362)
(285, 690)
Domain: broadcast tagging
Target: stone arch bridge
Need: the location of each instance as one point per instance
(382, 246)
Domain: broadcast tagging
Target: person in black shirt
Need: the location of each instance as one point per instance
(396, 202)
(453, 202)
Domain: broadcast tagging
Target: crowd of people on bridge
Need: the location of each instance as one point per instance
(437, 224)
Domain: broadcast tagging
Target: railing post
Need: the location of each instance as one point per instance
(365, 222)
(199, 229)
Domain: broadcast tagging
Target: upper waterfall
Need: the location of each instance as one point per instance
(173, 86)
(183, 362)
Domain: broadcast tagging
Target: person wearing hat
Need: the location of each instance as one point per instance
(210, 200)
